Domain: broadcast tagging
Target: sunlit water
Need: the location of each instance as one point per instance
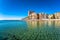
(29, 30)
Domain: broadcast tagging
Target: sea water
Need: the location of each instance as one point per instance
(29, 30)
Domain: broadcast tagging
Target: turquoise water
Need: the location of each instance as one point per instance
(29, 30)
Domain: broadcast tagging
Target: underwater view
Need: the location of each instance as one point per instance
(29, 30)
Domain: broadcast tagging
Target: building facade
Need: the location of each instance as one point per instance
(57, 15)
(33, 15)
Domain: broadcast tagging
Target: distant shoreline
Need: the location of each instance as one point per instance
(41, 19)
(44, 20)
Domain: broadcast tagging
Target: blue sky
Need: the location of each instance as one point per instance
(19, 8)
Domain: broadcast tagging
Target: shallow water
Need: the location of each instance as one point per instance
(29, 30)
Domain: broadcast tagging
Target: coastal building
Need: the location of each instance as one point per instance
(53, 17)
(32, 15)
(37, 16)
(50, 16)
(43, 16)
(57, 15)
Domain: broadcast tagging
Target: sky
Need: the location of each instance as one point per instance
(17, 9)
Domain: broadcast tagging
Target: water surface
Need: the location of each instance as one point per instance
(29, 30)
